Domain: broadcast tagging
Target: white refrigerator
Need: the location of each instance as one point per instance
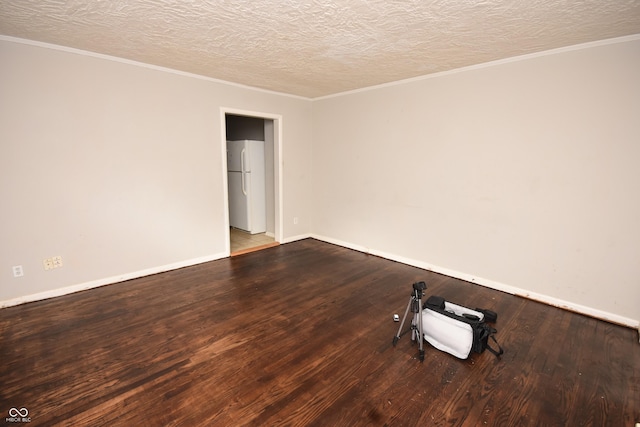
(246, 180)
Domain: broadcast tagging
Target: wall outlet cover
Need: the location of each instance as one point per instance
(18, 271)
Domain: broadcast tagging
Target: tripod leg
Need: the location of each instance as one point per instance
(420, 331)
(397, 337)
(415, 327)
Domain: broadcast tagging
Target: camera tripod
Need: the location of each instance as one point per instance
(415, 304)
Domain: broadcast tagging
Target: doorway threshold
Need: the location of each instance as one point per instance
(254, 249)
(243, 242)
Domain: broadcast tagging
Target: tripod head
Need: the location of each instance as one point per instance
(418, 289)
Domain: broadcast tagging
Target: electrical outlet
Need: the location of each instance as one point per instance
(18, 271)
(53, 262)
(295, 220)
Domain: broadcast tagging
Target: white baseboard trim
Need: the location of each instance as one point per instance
(296, 238)
(122, 278)
(109, 280)
(546, 299)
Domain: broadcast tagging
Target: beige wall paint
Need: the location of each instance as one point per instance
(118, 167)
(520, 175)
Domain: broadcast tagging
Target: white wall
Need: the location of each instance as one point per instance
(522, 175)
(117, 167)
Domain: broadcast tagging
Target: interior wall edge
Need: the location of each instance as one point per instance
(513, 290)
(142, 65)
(493, 63)
(108, 281)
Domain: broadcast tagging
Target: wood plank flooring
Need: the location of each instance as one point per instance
(301, 335)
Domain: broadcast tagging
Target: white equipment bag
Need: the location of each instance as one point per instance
(456, 329)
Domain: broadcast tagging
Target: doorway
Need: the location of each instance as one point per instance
(239, 126)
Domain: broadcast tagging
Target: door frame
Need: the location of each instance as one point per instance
(277, 169)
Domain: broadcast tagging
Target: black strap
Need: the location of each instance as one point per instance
(497, 353)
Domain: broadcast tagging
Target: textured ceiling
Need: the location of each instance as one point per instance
(313, 48)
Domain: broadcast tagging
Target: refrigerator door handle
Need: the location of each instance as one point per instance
(242, 172)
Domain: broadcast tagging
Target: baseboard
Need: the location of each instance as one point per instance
(122, 278)
(296, 238)
(108, 281)
(546, 299)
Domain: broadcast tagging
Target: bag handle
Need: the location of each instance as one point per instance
(498, 352)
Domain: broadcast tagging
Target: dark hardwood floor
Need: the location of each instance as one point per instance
(301, 334)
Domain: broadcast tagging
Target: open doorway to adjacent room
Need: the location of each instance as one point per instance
(252, 171)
